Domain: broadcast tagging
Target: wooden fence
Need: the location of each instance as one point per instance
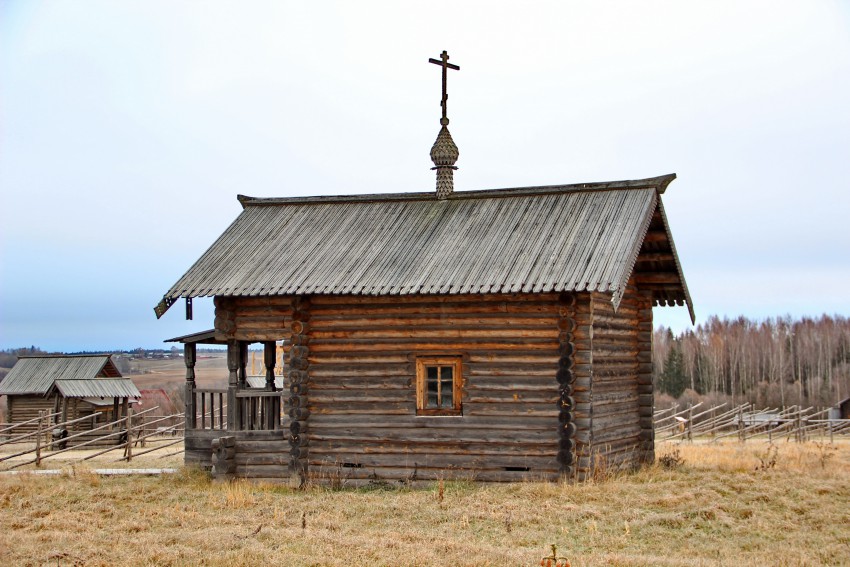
(124, 434)
(714, 423)
(745, 422)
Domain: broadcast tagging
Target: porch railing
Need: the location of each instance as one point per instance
(259, 410)
(210, 409)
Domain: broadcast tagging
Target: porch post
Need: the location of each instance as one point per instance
(190, 351)
(243, 363)
(271, 409)
(233, 413)
(270, 356)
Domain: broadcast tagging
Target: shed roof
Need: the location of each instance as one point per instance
(583, 237)
(36, 374)
(201, 337)
(97, 388)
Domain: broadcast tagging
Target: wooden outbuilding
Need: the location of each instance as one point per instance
(841, 410)
(498, 335)
(72, 386)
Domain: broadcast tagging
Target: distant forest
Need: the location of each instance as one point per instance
(772, 362)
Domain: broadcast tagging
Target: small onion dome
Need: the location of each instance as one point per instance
(444, 152)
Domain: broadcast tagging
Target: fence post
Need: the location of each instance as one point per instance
(690, 422)
(128, 450)
(741, 423)
(142, 431)
(38, 439)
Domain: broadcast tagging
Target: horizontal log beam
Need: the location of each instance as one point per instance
(658, 278)
(655, 257)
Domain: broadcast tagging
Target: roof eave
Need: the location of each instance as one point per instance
(629, 267)
(679, 270)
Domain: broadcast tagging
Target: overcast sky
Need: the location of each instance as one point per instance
(128, 128)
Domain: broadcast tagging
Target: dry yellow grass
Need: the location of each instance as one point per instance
(723, 506)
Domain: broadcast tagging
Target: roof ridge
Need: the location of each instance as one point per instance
(659, 183)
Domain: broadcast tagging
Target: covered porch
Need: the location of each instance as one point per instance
(241, 429)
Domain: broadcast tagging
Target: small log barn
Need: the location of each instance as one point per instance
(499, 335)
(72, 385)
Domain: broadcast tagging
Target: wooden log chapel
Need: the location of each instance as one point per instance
(498, 335)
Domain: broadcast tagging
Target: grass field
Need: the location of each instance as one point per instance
(717, 505)
(210, 371)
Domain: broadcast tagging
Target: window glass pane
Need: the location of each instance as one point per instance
(446, 374)
(447, 394)
(432, 383)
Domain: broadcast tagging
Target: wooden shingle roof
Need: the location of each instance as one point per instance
(583, 237)
(74, 376)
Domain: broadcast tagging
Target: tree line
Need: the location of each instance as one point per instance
(778, 361)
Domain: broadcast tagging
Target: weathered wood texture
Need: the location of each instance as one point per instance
(198, 446)
(646, 401)
(362, 380)
(582, 391)
(553, 385)
(299, 386)
(26, 407)
(264, 318)
(620, 363)
(259, 454)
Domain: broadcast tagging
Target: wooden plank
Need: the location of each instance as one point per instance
(263, 471)
(432, 447)
(438, 461)
(459, 423)
(501, 438)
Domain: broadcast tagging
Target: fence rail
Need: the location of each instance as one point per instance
(123, 434)
(745, 422)
(260, 410)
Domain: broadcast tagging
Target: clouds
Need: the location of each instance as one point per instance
(128, 129)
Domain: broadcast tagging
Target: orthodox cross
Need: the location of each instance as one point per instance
(444, 63)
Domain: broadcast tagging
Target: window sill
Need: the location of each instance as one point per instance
(438, 412)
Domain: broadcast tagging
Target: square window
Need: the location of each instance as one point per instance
(438, 386)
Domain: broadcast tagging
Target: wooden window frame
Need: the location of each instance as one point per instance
(422, 364)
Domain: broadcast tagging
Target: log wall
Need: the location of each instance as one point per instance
(260, 455)
(362, 387)
(583, 394)
(620, 365)
(253, 319)
(553, 385)
(26, 407)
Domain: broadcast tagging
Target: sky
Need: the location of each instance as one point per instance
(128, 128)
